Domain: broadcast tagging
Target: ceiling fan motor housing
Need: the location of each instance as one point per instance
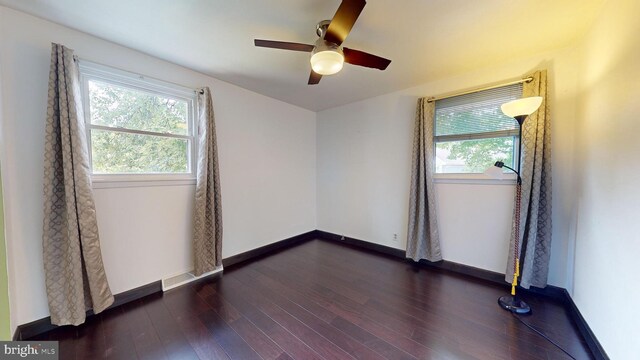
(321, 28)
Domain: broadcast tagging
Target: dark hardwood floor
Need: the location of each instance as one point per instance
(322, 300)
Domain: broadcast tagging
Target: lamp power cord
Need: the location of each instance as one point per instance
(542, 334)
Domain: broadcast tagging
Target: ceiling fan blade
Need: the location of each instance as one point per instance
(361, 58)
(343, 20)
(314, 78)
(283, 45)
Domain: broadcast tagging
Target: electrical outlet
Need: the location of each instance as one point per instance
(395, 237)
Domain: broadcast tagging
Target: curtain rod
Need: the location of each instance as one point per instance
(436, 98)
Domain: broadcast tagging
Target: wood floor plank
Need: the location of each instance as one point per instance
(371, 341)
(352, 312)
(331, 333)
(289, 342)
(253, 336)
(327, 279)
(90, 340)
(200, 338)
(66, 338)
(145, 338)
(469, 306)
(304, 332)
(324, 300)
(118, 340)
(258, 340)
(291, 293)
(195, 315)
(231, 342)
(310, 303)
(173, 341)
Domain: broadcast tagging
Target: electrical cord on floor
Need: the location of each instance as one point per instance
(542, 334)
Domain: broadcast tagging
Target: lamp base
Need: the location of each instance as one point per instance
(512, 304)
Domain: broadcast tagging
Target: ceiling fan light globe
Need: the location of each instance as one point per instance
(327, 62)
(326, 58)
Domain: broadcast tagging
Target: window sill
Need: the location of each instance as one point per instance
(477, 179)
(106, 183)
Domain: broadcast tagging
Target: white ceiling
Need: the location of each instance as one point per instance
(425, 39)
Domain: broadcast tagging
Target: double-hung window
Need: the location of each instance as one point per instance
(137, 128)
(471, 132)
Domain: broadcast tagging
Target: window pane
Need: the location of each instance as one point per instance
(123, 153)
(473, 156)
(116, 106)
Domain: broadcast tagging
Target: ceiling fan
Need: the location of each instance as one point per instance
(327, 54)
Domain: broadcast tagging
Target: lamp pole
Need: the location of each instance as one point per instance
(513, 302)
(519, 110)
(520, 119)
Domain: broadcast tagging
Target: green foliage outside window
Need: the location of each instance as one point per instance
(116, 152)
(478, 155)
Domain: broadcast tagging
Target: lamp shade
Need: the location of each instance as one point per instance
(522, 107)
(326, 58)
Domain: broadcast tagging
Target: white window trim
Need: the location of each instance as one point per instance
(93, 71)
(109, 184)
(473, 178)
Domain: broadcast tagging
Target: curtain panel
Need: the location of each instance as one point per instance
(207, 228)
(74, 272)
(423, 240)
(535, 208)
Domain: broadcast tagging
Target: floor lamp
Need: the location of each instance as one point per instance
(519, 110)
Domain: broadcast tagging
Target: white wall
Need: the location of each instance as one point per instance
(268, 155)
(267, 168)
(364, 155)
(607, 196)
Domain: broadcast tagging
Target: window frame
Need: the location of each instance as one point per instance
(509, 176)
(120, 78)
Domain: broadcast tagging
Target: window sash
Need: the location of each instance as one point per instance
(140, 132)
(119, 78)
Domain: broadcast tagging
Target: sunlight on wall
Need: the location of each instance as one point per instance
(607, 197)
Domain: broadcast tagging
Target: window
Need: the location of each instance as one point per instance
(137, 128)
(471, 133)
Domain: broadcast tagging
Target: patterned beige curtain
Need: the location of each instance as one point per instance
(423, 241)
(74, 273)
(207, 231)
(535, 209)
